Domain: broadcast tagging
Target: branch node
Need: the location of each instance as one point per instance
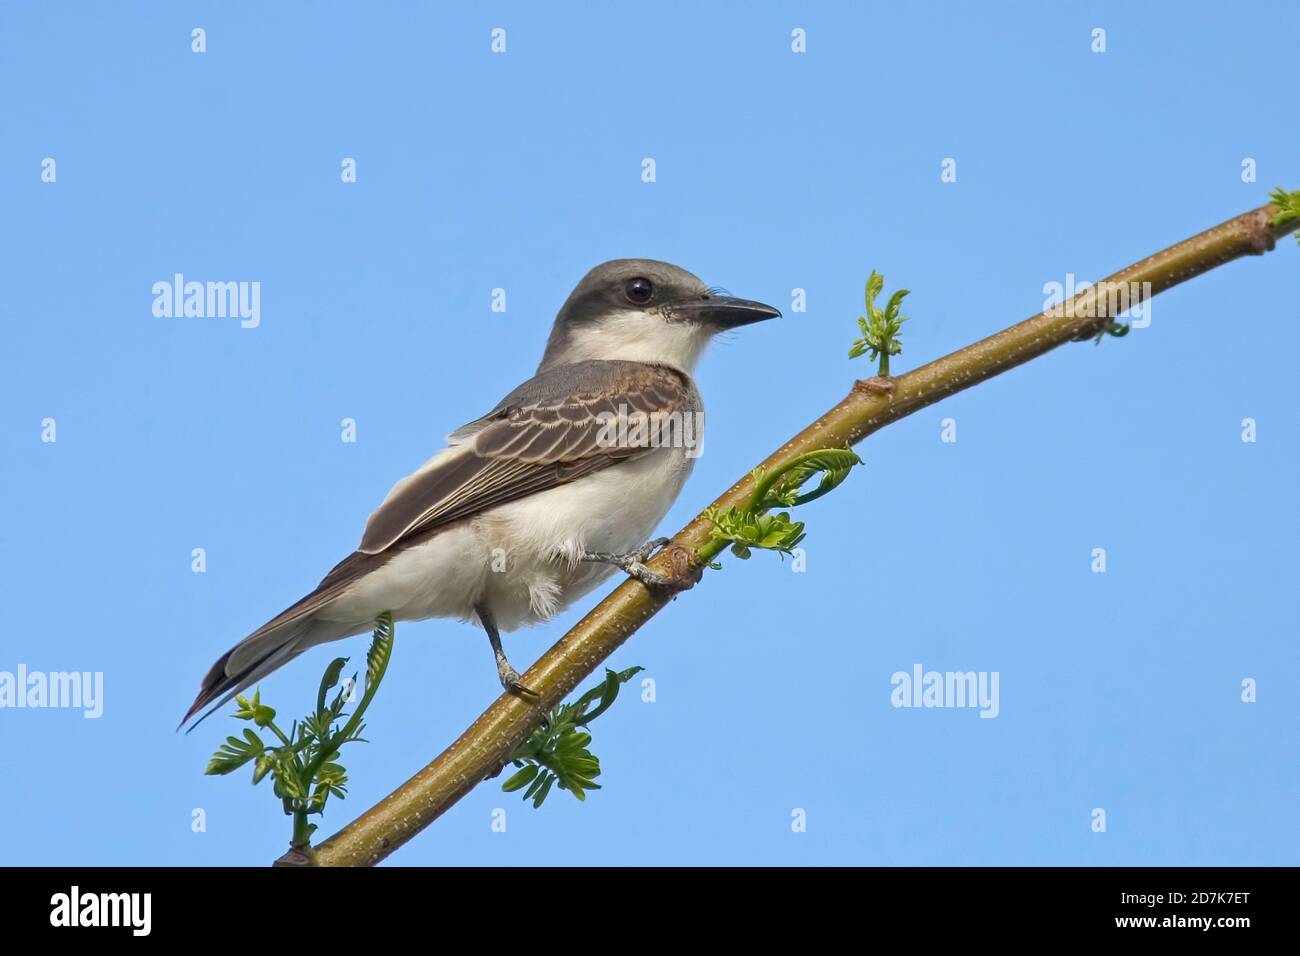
(686, 567)
(296, 856)
(1259, 232)
(876, 386)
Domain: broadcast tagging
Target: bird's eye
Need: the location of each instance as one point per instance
(639, 290)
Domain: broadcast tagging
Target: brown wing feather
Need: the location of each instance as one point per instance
(533, 443)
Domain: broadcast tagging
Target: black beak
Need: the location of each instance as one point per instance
(723, 311)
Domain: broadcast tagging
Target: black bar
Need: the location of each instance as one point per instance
(220, 906)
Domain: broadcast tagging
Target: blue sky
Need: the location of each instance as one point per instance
(774, 171)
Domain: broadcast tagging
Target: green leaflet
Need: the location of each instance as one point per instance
(381, 648)
(753, 526)
(556, 752)
(1115, 330)
(1288, 205)
(880, 327)
(304, 769)
(234, 753)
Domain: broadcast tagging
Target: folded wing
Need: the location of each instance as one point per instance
(551, 430)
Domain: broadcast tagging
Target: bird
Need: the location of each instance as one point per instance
(529, 507)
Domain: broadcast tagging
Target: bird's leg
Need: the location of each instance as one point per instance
(633, 563)
(508, 675)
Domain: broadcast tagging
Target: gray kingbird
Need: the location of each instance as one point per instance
(531, 506)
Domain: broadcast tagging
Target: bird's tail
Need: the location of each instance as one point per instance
(283, 638)
(247, 662)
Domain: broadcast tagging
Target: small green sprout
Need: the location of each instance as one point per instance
(304, 769)
(746, 530)
(752, 527)
(880, 328)
(556, 753)
(1116, 329)
(1288, 206)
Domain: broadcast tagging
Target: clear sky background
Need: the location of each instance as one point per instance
(775, 171)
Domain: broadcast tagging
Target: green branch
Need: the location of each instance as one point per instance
(489, 743)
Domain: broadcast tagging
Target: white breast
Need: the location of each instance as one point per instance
(521, 558)
(616, 509)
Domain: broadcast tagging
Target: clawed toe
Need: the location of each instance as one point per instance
(527, 693)
(512, 683)
(650, 547)
(633, 563)
(647, 577)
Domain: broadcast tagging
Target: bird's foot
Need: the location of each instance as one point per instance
(511, 682)
(879, 384)
(633, 563)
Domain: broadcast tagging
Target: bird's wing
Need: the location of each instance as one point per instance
(551, 430)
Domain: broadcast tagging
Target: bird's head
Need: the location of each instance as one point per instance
(643, 310)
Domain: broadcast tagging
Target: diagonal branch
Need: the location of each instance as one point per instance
(483, 749)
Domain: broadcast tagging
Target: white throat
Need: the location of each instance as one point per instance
(636, 337)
